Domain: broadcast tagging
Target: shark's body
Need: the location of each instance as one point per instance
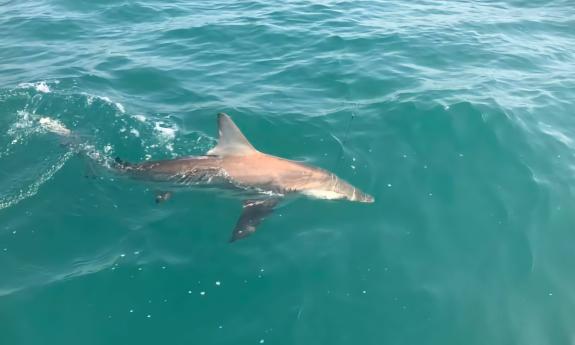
(235, 163)
(257, 173)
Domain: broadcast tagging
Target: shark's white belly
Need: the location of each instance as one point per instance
(321, 194)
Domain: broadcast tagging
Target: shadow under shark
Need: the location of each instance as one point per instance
(263, 180)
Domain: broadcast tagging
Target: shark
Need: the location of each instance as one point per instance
(262, 180)
(234, 163)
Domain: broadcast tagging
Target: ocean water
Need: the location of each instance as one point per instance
(457, 116)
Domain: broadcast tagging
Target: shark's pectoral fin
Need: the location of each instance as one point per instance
(254, 211)
(162, 196)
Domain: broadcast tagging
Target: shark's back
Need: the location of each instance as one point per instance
(270, 172)
(192, 170)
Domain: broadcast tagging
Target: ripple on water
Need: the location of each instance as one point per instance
(456, 116)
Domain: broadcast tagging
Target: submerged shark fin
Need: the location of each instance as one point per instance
(231, 142)
(254, 211)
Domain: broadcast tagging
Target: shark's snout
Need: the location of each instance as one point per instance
(344, 190)
(364, 197)
(368, 199)
(359, 196)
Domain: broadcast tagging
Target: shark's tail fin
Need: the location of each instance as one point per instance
(67, 137)
(74, 142)
(54, 126)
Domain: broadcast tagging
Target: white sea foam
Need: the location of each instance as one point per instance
(24, 123)
(90, 99)
(105, 99)
(40, 86)
(140, 118)
(21, 130)
(33, 188)
(165, 133)
(120, 107)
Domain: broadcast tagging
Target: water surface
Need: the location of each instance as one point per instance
(457, 116)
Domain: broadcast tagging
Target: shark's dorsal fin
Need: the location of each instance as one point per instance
(231, 142)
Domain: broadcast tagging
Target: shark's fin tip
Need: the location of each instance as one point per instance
(253, 212)
(231, 141)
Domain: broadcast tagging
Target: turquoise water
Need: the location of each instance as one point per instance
(457, 116)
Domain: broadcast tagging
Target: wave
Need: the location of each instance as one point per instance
(33, 112)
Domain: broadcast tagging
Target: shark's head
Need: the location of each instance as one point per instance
(337, 188)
